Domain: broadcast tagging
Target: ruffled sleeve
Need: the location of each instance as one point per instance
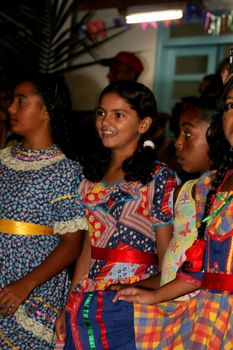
(68, 210)
(165, 182)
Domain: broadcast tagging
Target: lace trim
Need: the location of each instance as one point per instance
(16, 164)
(70, 226)
(33, 326)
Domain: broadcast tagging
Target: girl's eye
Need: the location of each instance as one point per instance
(99, 113)
(187, 134)
(119, 115)
(228, 106)
(21, 100)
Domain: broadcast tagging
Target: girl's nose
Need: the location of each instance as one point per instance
(107, 118)
(178, 144)
(11, 108)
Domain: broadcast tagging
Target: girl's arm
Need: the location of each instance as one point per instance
(83, 262)
(169, 291)
(12, 295)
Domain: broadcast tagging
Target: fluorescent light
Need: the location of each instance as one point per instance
(154, 16)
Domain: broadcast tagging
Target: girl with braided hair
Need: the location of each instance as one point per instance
(42, 222)
(205, 321)
(128, 196)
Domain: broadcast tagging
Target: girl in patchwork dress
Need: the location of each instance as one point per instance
(128, 197)
(192, 154)
(205, 321)
(41, 220)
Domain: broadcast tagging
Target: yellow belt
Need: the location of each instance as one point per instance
(23, 228)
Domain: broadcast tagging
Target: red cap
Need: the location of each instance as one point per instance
(127, 58)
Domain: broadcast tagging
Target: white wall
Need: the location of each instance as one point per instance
(86, 83)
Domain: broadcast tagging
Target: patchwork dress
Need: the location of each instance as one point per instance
(151, 320)
(38, 203)
(205, 321)
(122, 219)
(184, 234)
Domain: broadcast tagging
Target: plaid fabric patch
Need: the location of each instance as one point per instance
(202, 323)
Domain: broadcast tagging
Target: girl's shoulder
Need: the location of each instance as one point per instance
(185, 190)
(70, 168)
(203, 184)
(159, 167)
(165, 172)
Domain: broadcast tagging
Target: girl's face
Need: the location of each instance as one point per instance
(118, 125)
(191, 145)
(27, 113)
(228, 118)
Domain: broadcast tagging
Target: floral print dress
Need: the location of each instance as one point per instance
(37, 187)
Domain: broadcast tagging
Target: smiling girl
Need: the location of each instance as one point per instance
(128, 197)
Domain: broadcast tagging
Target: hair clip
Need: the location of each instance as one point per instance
(149, 143)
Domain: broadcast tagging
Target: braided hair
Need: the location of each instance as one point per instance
(55, 95)
(138, 167)
(220, 153)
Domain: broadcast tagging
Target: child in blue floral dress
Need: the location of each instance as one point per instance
(41, 220)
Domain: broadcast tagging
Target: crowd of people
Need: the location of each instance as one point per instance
(150, 241)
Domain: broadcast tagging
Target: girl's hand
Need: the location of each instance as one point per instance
(135, 295)
(12, 296)
(60, 326)
(117, 286)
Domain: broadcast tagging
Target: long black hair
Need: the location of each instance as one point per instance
(138, 167)
(55, 95)
(220, 152)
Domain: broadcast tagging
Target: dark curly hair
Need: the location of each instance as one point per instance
(220, 152)
(55, 95)
(138, 167)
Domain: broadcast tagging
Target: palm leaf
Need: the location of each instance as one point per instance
(42, 36)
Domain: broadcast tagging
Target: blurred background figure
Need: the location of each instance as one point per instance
(124, 66)
(211, 85)
(223, 69)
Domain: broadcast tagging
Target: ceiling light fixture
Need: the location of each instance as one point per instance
(144, 14)
(154, 16)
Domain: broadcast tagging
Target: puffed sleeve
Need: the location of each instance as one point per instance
(67, 208)
(165, 182)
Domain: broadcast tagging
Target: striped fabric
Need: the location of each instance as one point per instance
(96, 323)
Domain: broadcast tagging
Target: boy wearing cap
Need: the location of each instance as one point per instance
(124, 66)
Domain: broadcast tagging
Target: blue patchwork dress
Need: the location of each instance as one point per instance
(37, 193)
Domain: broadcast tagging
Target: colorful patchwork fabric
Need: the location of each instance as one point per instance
(184, 234)
(36, 187)
(205, 321)
(123, 216)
